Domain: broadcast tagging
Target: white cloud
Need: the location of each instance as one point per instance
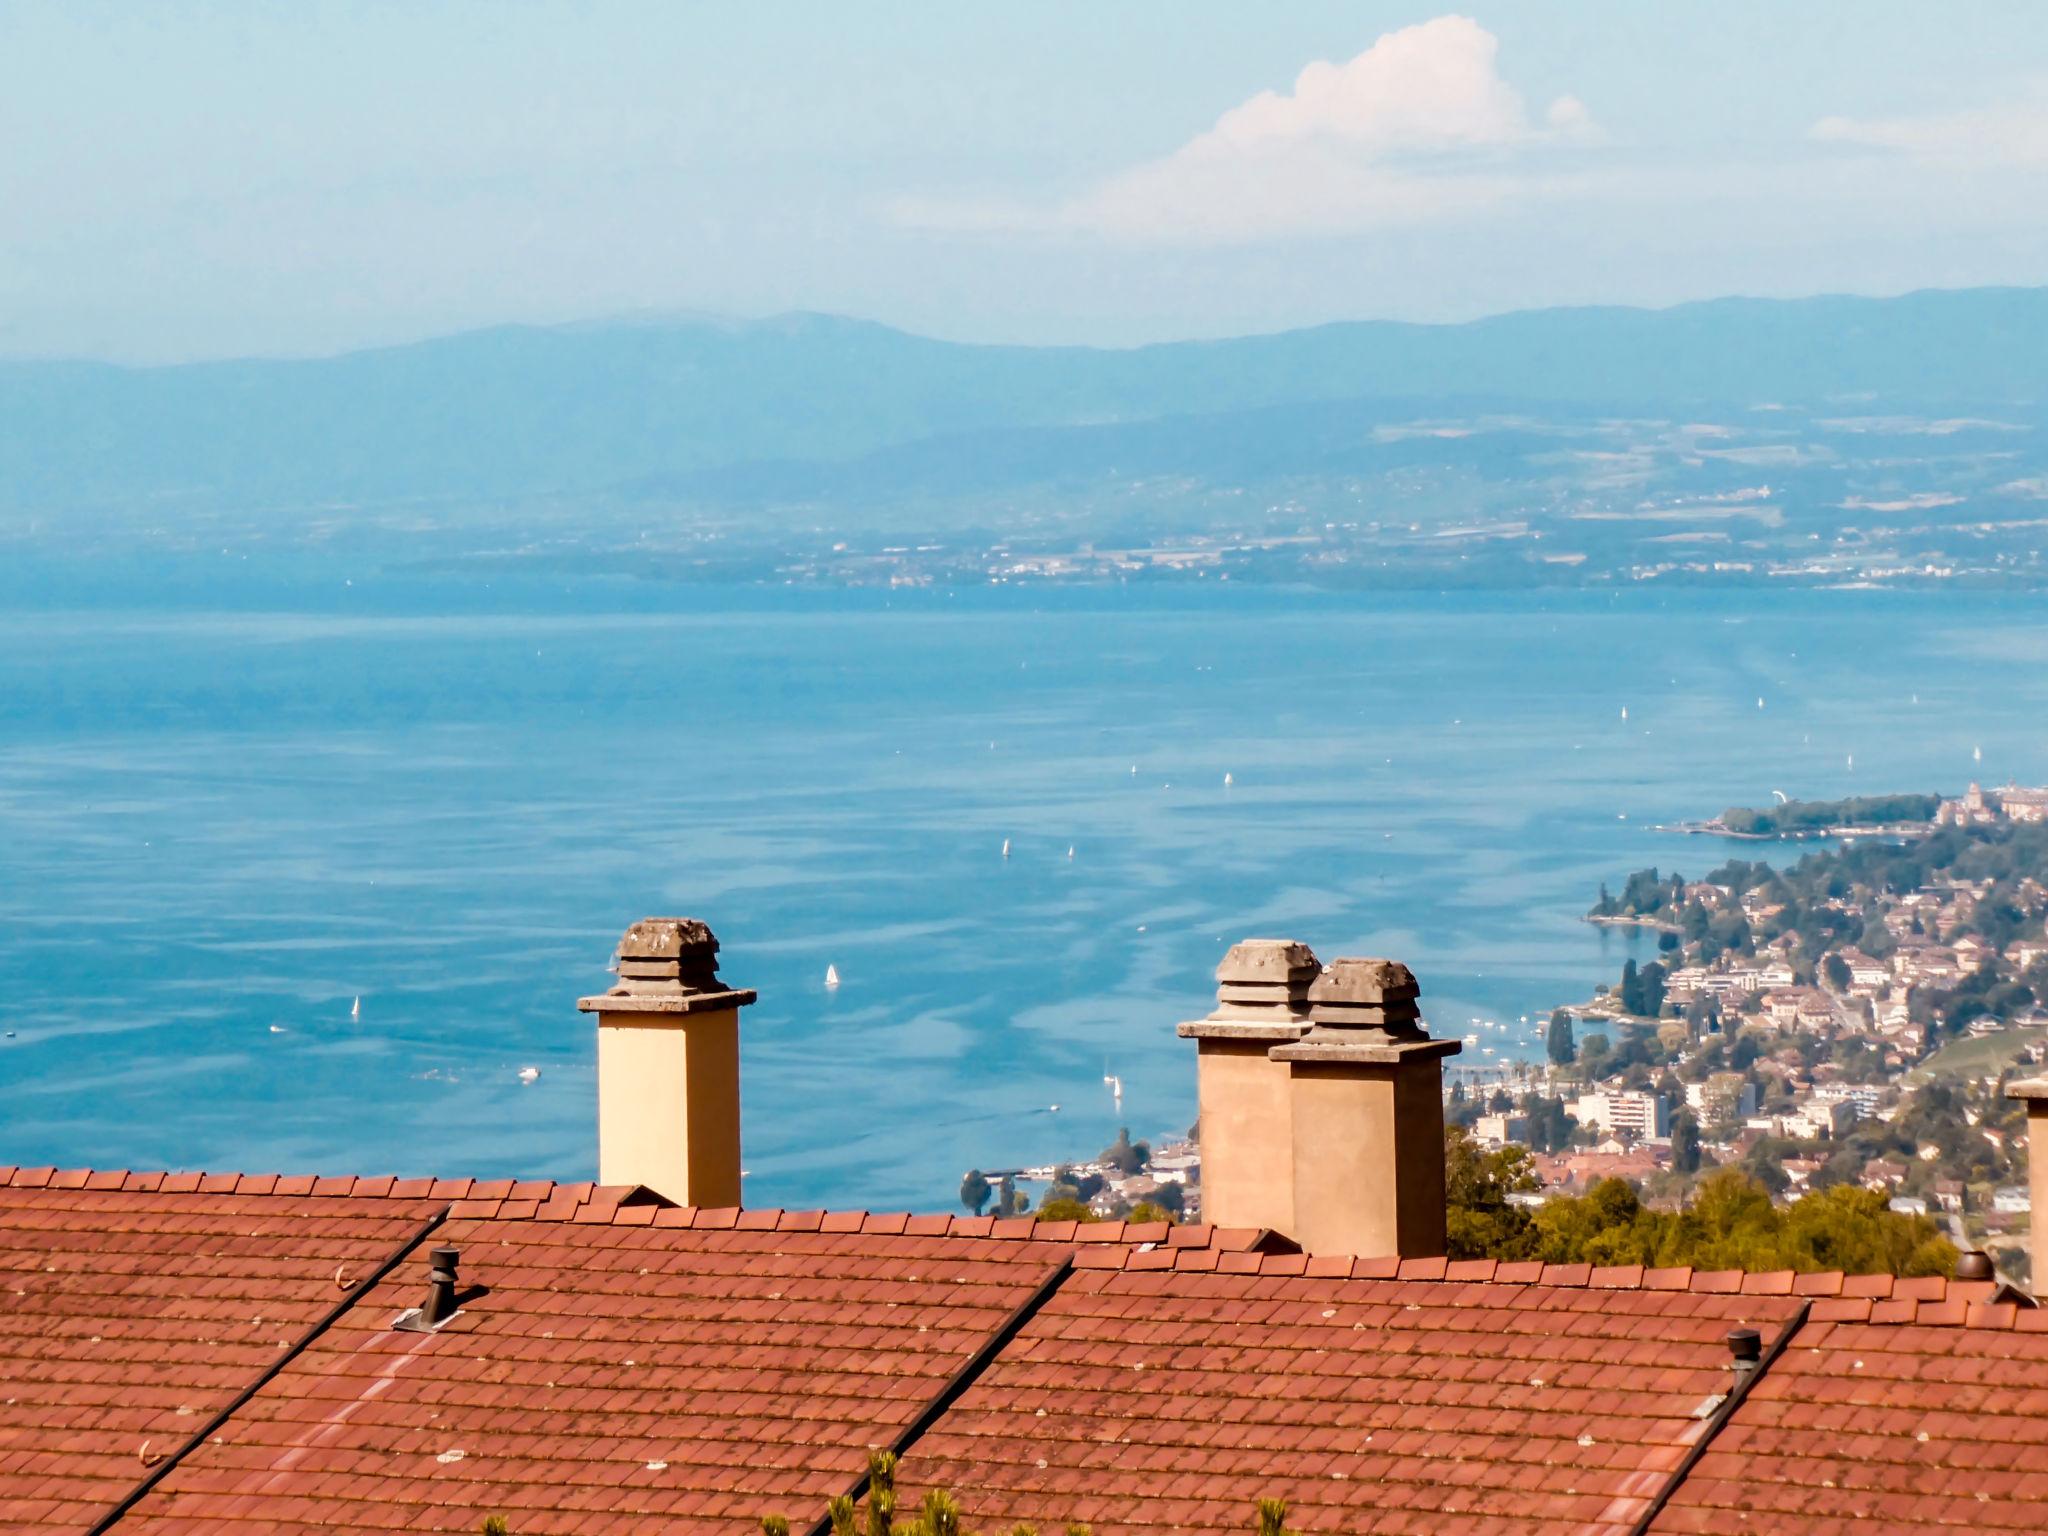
(1418, 126)
(2011, 134)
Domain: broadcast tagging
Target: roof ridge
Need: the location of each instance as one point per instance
(1933, 1300)
(299, 1185)
(1837, 1297)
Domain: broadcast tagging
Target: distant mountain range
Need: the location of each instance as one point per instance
(809, 405)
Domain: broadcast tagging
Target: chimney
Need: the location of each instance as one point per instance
(668, 1066)
(1365, 1086)
(2034, 1093)
(1247, 1127)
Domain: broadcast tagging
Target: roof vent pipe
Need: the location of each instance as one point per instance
(1747, 1346)
(440, 1303)
(1975, 1264)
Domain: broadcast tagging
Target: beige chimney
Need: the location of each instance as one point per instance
(1366, 1092)
(668, 1066)
(2034, 1092)
(1247, 1137)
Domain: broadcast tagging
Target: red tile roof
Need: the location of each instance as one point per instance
(632, 1361)
(638, 1373)
(1173, 1399)
(127, 1317)
(1886, 1426)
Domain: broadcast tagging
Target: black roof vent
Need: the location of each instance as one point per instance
(440, 1304)
(1747, 1346)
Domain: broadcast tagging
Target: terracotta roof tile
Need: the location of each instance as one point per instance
(1175, 1376)
(1897, 1429)
(703, 1375)
(1148, 1400)
(129, 1315)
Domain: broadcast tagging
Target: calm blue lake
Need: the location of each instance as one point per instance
(221, 824)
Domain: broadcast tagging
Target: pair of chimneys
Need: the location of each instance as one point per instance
(1321, 1096)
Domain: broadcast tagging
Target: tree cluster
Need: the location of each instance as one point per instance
(1730, 1223)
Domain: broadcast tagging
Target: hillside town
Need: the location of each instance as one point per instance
(1849, 1019)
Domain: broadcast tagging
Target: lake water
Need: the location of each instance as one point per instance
(216, 820)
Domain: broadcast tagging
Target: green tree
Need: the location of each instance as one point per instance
(1836, 970)
(975, 1191)
(1562, 1049)
(1065, 1210)
(1126, 1156)
(1480, 1220)
(1685, 1142)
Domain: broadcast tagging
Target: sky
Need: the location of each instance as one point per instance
(185, 181)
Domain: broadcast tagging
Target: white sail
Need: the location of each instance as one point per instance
(831, 975)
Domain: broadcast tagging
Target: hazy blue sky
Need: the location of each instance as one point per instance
(181, 180)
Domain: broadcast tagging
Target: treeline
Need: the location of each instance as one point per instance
(1730, 1223)
(1814, 815)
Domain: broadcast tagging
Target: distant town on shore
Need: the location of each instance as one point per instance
(1847, 1022)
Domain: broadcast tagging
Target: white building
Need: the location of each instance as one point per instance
(1645, 1114)
(1499, 1130)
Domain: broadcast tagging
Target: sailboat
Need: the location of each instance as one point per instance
(1977, 754)
(1624, 711)
(831, 975)
(1070, 850)
(1006, 847)
(355, 1010)
(1228, 781)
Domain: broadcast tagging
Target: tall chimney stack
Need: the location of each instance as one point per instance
(1247, 1127)
(2034, 1092)
(668, 1066)
(1366, 1091)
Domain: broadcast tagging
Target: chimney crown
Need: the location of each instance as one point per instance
(1262, 989)
(667, 938)
(1267, 962)
(1364, 1010)
(667, 965)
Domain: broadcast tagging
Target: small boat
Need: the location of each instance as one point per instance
(1228, 781)
(1624, 711)
(529, 1074)
(831, 975)
(1006, 847)
(1070, 850)
(1052, 1109)
(277, 1029)
(1759, 702)
(1977, 754)
(355, 1010)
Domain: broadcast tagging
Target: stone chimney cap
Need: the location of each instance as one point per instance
(1268, 962)
(667, 938)
(1261, 993)
(667, 965)
(1355, 982)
